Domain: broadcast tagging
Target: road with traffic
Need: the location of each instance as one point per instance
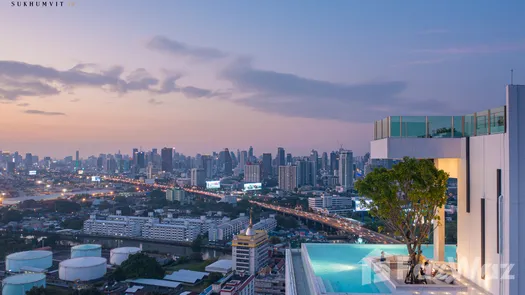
(342, 224)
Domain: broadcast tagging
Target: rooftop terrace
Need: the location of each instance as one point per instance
(487, 122)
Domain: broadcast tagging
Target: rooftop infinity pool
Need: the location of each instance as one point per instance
(341, 269)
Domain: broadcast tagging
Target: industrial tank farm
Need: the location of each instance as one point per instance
(82, 269)
(119, 255)
(20, 284)
(34, 259)
(86, 250)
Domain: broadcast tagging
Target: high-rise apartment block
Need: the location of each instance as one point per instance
(287, 178)
(346, 170)
(198, 177)
(252, 173)
(250, 250)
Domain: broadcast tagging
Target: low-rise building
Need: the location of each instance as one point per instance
(330, 204)
(122, 228)
(170, 232)
(239, 284)
(226, 230)
(178, 194)
(267, 224)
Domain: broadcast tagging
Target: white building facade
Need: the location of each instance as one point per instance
(485, 151)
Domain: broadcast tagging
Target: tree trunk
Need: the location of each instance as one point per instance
(414, 260)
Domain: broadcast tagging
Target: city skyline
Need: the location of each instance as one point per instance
(204, 77)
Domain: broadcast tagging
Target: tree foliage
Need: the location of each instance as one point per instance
(406, 199)
(11, 215)
(64, 206)
(275, 240)
(141, 265)
(73, 223)
(286, 222)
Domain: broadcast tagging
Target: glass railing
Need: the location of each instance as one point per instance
(481, 123)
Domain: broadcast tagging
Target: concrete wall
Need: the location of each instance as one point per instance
(420, 148)
(487, 154)
(514, 190)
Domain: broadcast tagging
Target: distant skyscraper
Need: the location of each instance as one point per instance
(314, 157)
(29, 161)
(305, 173)
(289, 159)
(324, 161)
(281, 160)
(11, 166)
(288, 178)
(198, 177)
(334, 162)
(77, 161)
(134, 155)
(267, 165)
(207, 163)
(235, 161)
(167, 159)
(100, 162)
(141, 163)
(243, 160)
(250, 153)
(252, 173)
(228, 164)
(346, 169)
(239, 155)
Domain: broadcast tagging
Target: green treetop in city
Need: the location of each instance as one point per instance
(407, 198)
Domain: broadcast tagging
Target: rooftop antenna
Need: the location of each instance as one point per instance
(511, 76)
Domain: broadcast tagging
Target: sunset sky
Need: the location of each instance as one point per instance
(200, 76)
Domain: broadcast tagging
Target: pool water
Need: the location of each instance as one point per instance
(341, 268)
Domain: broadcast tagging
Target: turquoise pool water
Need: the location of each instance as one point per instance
(341, 269)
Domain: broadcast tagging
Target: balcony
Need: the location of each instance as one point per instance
(488, 122)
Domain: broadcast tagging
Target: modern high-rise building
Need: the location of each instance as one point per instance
(228, 163)
(289, 159)
(134, 155)
(314, 157)
(250, 250)
(281, 157)
(250, 153)
(334, 162)
(252, 173)
(267, 165)
(141, 161)
(324, 161)
(346, 170)
(243, 159)
(28, 161)
(77, 161)
(485, 151)
(305, 173)
(198, 177)
(11, 166)
(288, 178)
(207, 165)
(166, 155)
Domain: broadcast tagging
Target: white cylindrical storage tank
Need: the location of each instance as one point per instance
(86, 250)
(82, 269)
(119, 255)
(20, 284)
(36, 258)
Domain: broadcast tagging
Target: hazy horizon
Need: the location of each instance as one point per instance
(104, 76)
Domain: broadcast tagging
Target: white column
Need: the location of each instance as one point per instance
(451, 166)
(439, 236)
